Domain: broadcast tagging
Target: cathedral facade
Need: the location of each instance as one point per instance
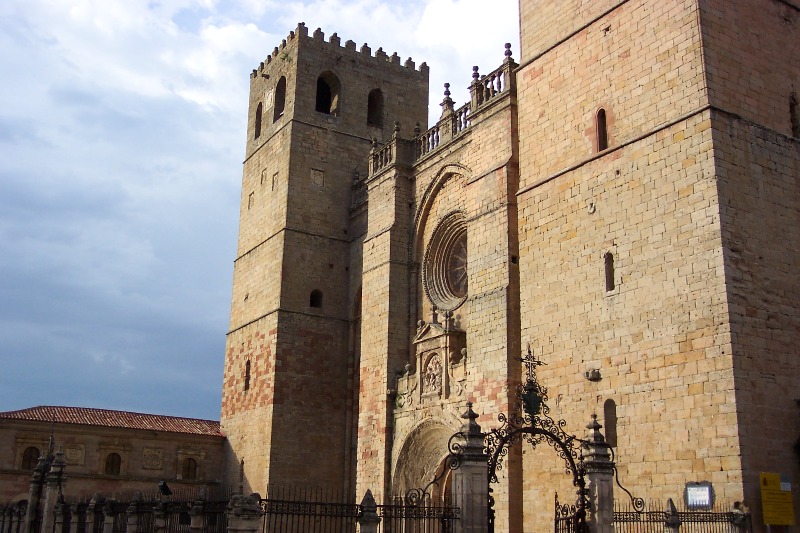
(623, 198)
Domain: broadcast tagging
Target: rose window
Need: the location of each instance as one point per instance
(445, 264)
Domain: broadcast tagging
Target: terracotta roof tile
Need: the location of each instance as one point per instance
(116, 419)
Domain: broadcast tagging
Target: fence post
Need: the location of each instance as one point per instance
(471, 478)
(62, 514)
(244, 513)
(94, 512)
(159, 517)
(672, 523)
(196, 512)
(600, 479)
(132, 512)
(368, 519)
(109, 514)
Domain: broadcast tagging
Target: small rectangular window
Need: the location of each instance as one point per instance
(608, 259)
(251, 199)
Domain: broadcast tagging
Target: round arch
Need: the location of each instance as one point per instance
(426, 202)
(421, 457)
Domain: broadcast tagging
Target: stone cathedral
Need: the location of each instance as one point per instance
(623, 197)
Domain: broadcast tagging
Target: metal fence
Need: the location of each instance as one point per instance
(401, 517)
(628, 520)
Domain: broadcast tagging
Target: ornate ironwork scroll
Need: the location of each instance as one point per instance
(530, 421)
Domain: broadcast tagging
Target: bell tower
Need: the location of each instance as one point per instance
(289, 401)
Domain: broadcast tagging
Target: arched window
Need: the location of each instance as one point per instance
(189, 469)
(610, 421)
(113, 463)
(30, 457)
(280, 99)
(328, 88)
(602, 130)
(259, 112)
(608, 259)
(247, 375)
(375, 108)
(315, 300)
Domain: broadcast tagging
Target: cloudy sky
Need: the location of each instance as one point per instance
(122, 127)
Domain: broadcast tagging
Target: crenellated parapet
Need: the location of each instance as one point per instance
(335, 43)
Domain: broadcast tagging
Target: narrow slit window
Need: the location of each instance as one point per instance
(259, 113)
(247, 376)
(280, 99)
(315, 300)
(794, 114)
(608, 259)
(602, 130)
(610, 421)
(375, 108)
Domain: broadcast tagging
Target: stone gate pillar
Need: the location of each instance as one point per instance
(471, 479)
(599, 480)
(52, 495)
(244, 513)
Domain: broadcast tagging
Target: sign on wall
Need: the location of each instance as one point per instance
(776, 499)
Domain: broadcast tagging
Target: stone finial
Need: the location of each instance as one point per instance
(335, 39)
(471, 425)
(350, 44)
(475, 75)
(275, 52)
(434, 315)
(318, 34)
(368, 520)
(396, 128)
(395, 58)
(447, 102)
(409, 63)
(423, 68)
(365, 49)
(417, 129)
(302, 30)
(291, 34)
(507, 52)
(283, 44)
(380, 53)
(374, 143)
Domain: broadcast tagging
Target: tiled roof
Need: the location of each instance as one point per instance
(115, 419)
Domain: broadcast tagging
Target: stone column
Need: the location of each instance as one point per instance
(599, 480)
(471, 478)
(244, 513)
(369, 519)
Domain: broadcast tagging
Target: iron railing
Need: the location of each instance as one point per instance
(629, 520)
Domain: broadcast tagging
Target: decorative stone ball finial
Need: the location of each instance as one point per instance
(396, 127)
(447, 90)
(507, 53)
(475, 74)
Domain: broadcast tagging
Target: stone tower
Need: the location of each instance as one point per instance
(290, 397)
(658, 231)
